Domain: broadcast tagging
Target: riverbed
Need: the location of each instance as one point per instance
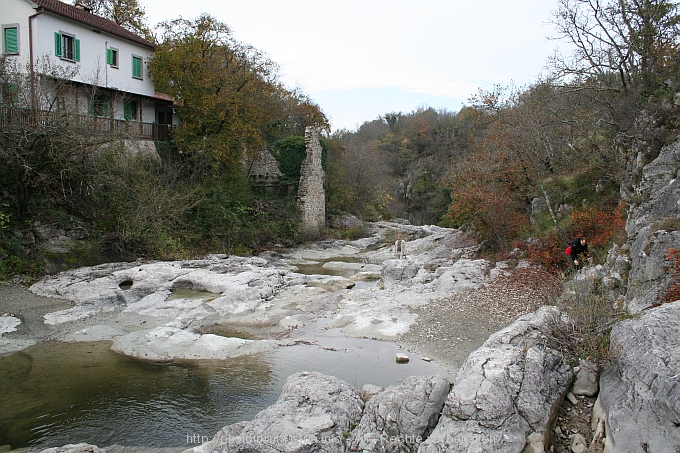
(316, 309)
(59, 393)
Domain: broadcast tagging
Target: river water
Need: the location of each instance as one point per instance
(59, 393)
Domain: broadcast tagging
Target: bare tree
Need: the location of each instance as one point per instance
(634, 39)
(129, 14)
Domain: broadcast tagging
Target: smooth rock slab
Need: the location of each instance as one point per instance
(8, 324)
(312, 414)
(507, 393)
(74, 448)
(166, 343)
(399, 418)
(640, 392)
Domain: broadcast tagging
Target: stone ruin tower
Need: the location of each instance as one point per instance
(311, 193)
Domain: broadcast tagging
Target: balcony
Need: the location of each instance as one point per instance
(16, 119)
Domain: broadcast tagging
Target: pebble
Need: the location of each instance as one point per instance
(572, 399)
(402, 358)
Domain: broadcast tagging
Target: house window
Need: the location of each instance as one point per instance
(136, 67)
(130, 110)
(101, 105)
(10, 39)
(112, 57)
(66, 46)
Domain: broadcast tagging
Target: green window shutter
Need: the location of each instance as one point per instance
(14, 92)
(11, 40)
(137, 67)
(106, 106)
(76, 52)
(127, 111)
(109, 56)
(57, 44)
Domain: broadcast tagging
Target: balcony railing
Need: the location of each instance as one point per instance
(13, 118)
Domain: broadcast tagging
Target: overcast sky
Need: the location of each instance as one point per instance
(359, 59)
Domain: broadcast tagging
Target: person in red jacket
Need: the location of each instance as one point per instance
(577, 252)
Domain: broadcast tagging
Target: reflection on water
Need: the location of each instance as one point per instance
(187, 293)
(316, 267)
(59, 393)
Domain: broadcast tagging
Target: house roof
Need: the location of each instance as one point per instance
(71, 12)
(164, 97)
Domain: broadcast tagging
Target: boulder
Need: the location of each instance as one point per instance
(507, 393)
(399, 418)
(395, 271)
(346, 222)
(640, 393)
(313, 414)
(464, 275)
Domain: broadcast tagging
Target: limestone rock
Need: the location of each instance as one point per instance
(399, 271)
(464, 275)
(506, 391)
(8, 324)
(572, 399)
(578, 444)
(640, 392)
(586, 379)
(130, 150)
(399, 418)
(660, 190)
(368, 391)
(165, 343)
(402, 358)
(74, 448)
(347, 222)
(312, 414)
(649, 279)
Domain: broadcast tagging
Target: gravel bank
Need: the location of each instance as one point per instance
(449, 329)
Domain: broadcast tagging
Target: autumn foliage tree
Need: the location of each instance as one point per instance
(215, 81)
(539, 146)
(231, 104)
(228, 94)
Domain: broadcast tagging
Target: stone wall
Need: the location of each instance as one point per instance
(311, 193)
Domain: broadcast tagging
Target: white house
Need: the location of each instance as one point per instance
(110, 63)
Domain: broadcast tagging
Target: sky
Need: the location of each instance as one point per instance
(360, 59)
